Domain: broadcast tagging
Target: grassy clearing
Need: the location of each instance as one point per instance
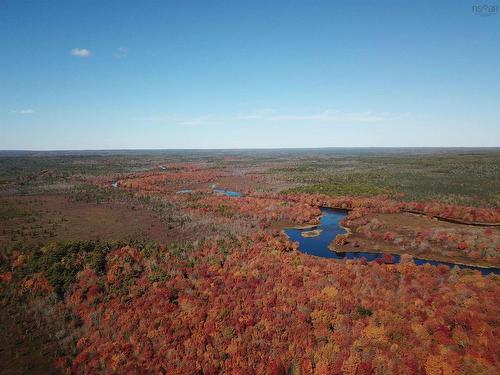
(466, 179)
(336, 188)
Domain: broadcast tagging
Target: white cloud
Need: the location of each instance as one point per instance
(120, 53)
(26, 111)
(81, 52)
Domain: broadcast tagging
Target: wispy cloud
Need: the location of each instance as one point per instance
(183, 120)
(194, 121)
(81, 52)
(327, 116)
(120, 53)
(270, 115)
(26, 111)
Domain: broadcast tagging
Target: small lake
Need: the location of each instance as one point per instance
(229, 193)
(330, 226)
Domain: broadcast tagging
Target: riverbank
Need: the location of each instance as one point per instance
(342, 249)
(348, 248)
(423, 237)
(325, 245)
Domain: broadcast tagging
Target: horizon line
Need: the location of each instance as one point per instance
(247, 148)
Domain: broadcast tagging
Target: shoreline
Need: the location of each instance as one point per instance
(437, 217)
(331, 247)
(349, 232)
(307, 226)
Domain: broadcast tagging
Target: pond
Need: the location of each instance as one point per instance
(229, 193)
(330, 227)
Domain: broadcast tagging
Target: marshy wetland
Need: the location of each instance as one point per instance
(240, 240)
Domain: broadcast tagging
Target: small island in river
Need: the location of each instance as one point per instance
(312, 233)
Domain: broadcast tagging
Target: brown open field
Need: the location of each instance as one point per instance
(37, 219)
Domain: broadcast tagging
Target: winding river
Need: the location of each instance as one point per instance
(228, 193)
(330, 227)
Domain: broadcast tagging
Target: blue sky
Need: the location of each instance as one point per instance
(230, 74)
